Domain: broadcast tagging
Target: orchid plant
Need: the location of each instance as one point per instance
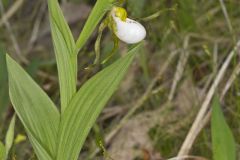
(60, 134)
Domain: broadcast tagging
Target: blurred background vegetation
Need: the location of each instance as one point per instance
(187, 42)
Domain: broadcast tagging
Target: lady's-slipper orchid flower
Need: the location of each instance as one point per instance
(126, 29)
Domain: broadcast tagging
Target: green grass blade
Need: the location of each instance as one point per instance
(222, 138)
(186, 21)
(4, 98)
(34, 108)
(10, 135)
(2, 151)
(87, 104)
(66, 57)
(99, 10)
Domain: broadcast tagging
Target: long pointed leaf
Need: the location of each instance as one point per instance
(64, 47)
(10, 135)
(2, 151)
(4, 98)
(36, 111)
(222, 138)
(99, 10)
(87, 104)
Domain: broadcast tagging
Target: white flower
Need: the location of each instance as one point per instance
(128, 30)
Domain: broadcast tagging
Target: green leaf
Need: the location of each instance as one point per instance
(66, 56)
(34, 108)
(2, 151)
(87, 104)
(10, 135)
(99, 10)
(4, 98)
(222, 138)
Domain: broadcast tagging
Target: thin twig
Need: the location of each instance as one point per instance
(192, 134)
(205, 17)
(157, 14)
(12, 36)
(180, 68)
(215, 58)
(229, 83)
(36, 27)
(188, 157)
(230, 27)
(16, 45)
(14, 8)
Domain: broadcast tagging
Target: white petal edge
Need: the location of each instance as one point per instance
(129, 31)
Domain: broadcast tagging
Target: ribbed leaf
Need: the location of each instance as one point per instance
(36, 111)
(86, 105)
(222, 138)
(4, 99)
(66, 56)
(10, 135)
(2, 151)
(99, 10)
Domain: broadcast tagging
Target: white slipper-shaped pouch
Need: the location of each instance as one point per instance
(128, 30)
